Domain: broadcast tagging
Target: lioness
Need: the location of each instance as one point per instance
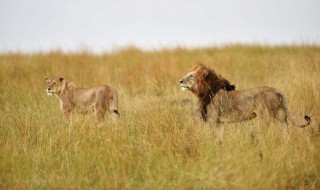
(88, 100)
(220, 102)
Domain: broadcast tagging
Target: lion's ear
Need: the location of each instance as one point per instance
(61, 79)
(205, 73)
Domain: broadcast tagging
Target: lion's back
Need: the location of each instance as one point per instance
(264, 96)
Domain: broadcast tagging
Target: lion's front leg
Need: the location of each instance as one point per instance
(216, 120)
(220, 128)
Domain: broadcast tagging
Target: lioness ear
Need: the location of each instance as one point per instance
(47, 79)
(61, 79)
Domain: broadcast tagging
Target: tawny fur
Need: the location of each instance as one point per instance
(96, 100)
(220, 102)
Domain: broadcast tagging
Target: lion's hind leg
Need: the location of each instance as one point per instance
(280, 117)
(264, 115)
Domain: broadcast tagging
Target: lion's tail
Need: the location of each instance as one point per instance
(288, 116)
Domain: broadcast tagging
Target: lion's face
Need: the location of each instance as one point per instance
(189, 82)
(54, 85)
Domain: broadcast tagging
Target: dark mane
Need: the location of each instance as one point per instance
(208, 84)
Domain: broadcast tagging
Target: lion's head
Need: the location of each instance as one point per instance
(203, 81)
(54, 85)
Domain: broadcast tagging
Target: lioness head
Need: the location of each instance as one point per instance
(54, 85)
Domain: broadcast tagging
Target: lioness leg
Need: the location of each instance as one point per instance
(100, 110)
(66, 109)
(100, 115)
(113, 103)
(113, 107)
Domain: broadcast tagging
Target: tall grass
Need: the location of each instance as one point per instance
(157, 145)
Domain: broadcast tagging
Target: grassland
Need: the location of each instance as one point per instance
(157, 145)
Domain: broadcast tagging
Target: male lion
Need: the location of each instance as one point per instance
(220, 102)
(88, 100)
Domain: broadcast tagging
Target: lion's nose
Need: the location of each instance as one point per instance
(181, 81)
(48, 88)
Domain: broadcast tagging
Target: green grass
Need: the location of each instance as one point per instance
(157, 145)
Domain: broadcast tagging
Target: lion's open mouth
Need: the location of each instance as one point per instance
(184, 88)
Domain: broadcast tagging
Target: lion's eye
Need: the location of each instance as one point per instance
(191, 76)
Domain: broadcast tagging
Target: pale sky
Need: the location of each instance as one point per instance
(105, 25)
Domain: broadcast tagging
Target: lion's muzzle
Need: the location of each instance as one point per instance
(183, 86)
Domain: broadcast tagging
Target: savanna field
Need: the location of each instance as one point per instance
(157, 144)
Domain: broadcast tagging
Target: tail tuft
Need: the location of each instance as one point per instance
(308, 119)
